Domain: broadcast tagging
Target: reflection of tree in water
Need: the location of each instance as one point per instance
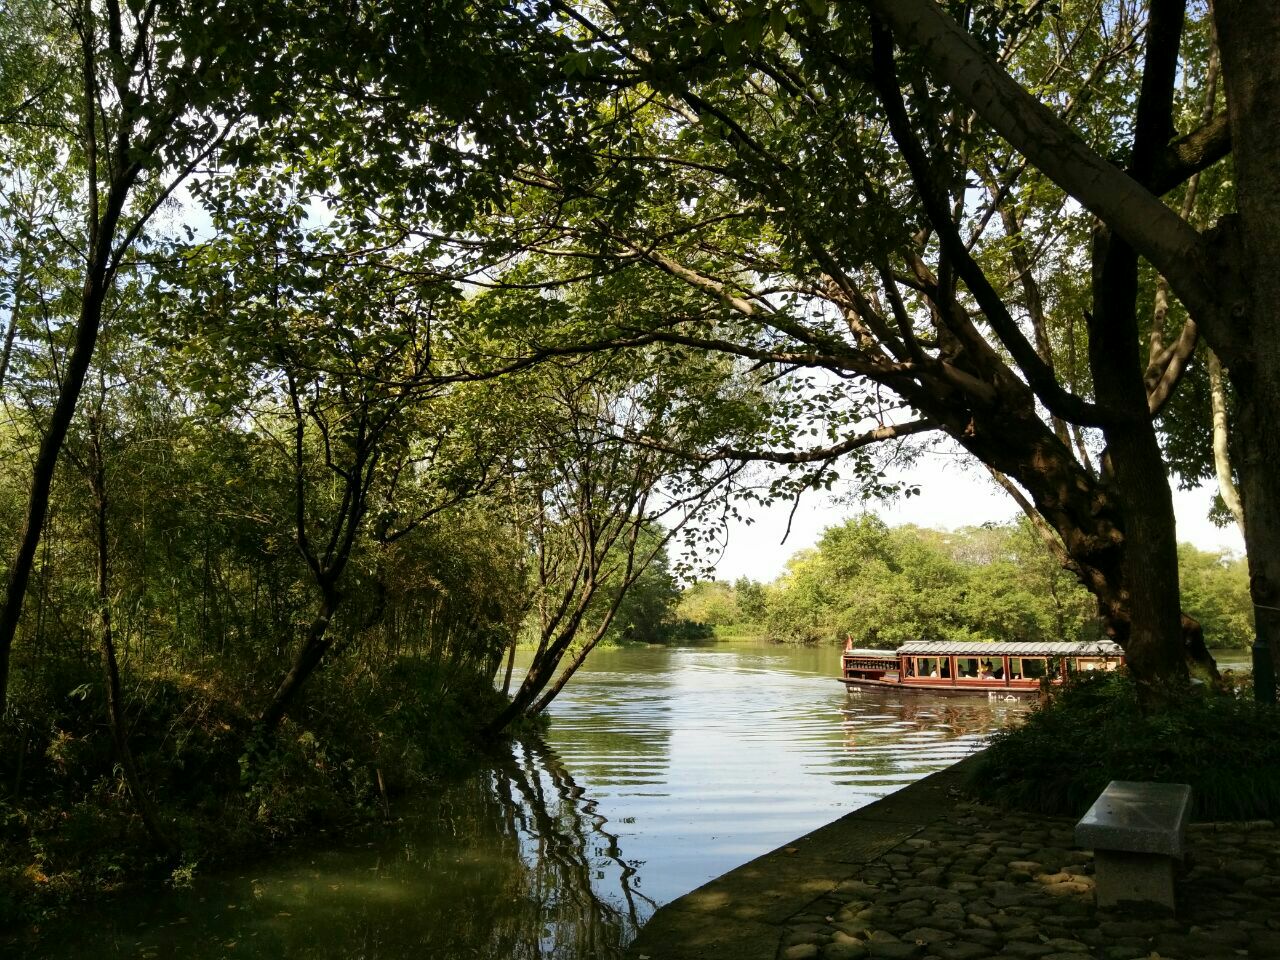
(564, 890)
(614, 741)
(570, 856)
(514, 862)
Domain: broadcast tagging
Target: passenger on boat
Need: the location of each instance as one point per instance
(984, 673)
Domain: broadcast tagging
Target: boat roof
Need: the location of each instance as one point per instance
(947, 648)
(876, 654)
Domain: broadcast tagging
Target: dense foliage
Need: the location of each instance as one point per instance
(884, 586)
(363, 738)
(1094, 731)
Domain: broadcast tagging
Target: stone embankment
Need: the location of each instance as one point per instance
(927, 874)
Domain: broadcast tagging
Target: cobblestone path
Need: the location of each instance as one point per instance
(981, 883)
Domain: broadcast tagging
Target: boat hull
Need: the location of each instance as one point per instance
(998, 689)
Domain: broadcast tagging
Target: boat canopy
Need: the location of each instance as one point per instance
(932, 648)
(873, 654)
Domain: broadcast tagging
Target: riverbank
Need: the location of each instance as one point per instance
(70, 832)
(928, 873)
(662, 768)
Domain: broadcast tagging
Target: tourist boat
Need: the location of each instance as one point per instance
(1011, 669)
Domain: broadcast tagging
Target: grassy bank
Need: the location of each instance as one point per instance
(1094, 730)
(69, 830)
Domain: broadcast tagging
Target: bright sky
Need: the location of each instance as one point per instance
(951, 495)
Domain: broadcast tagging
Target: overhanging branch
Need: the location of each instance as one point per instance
(812, 455)
(1165, 239)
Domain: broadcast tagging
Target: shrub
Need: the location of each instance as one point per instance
(1094, 731)
(357, 738)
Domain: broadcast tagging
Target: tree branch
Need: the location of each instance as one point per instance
(1192, 153)
(1165, 239)
(1039, 375)
(812, 455)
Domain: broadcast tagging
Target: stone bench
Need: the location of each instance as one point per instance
(1136, 831)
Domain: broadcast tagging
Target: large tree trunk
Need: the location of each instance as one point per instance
(1248, 36)
(1085, 512)
(1155, 649)
(1082, 510)
(1258, 400)
(1226, 282)
(1138, 585)
(1156, 652)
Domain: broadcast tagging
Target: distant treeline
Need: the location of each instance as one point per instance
(887, 585)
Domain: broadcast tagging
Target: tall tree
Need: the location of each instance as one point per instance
(139, 96)
(1213, 272)
(323, 339)
(153, 91)
(605, 501)
(872, 259)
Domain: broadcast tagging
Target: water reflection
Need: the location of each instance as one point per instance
(662, 769)
(567, 838)
(705, 757)
(893, 737)
(515, 862)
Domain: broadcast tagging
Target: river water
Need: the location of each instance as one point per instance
(663, 768)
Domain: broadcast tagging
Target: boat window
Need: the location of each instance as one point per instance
(928, 667)
(911, 666)
(980, 668)
(1028, 668)
(1094, 663)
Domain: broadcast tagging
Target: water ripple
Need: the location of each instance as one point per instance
(704, 758)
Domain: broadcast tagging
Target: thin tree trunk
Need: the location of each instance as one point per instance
(538, 676)
(308, 658)
(116, 719)
(1222, 441)
(42, 593)
(19, 289)
(1032, 298)
(565, 675)
(103, 222)
(42, 476)
(511, 662)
